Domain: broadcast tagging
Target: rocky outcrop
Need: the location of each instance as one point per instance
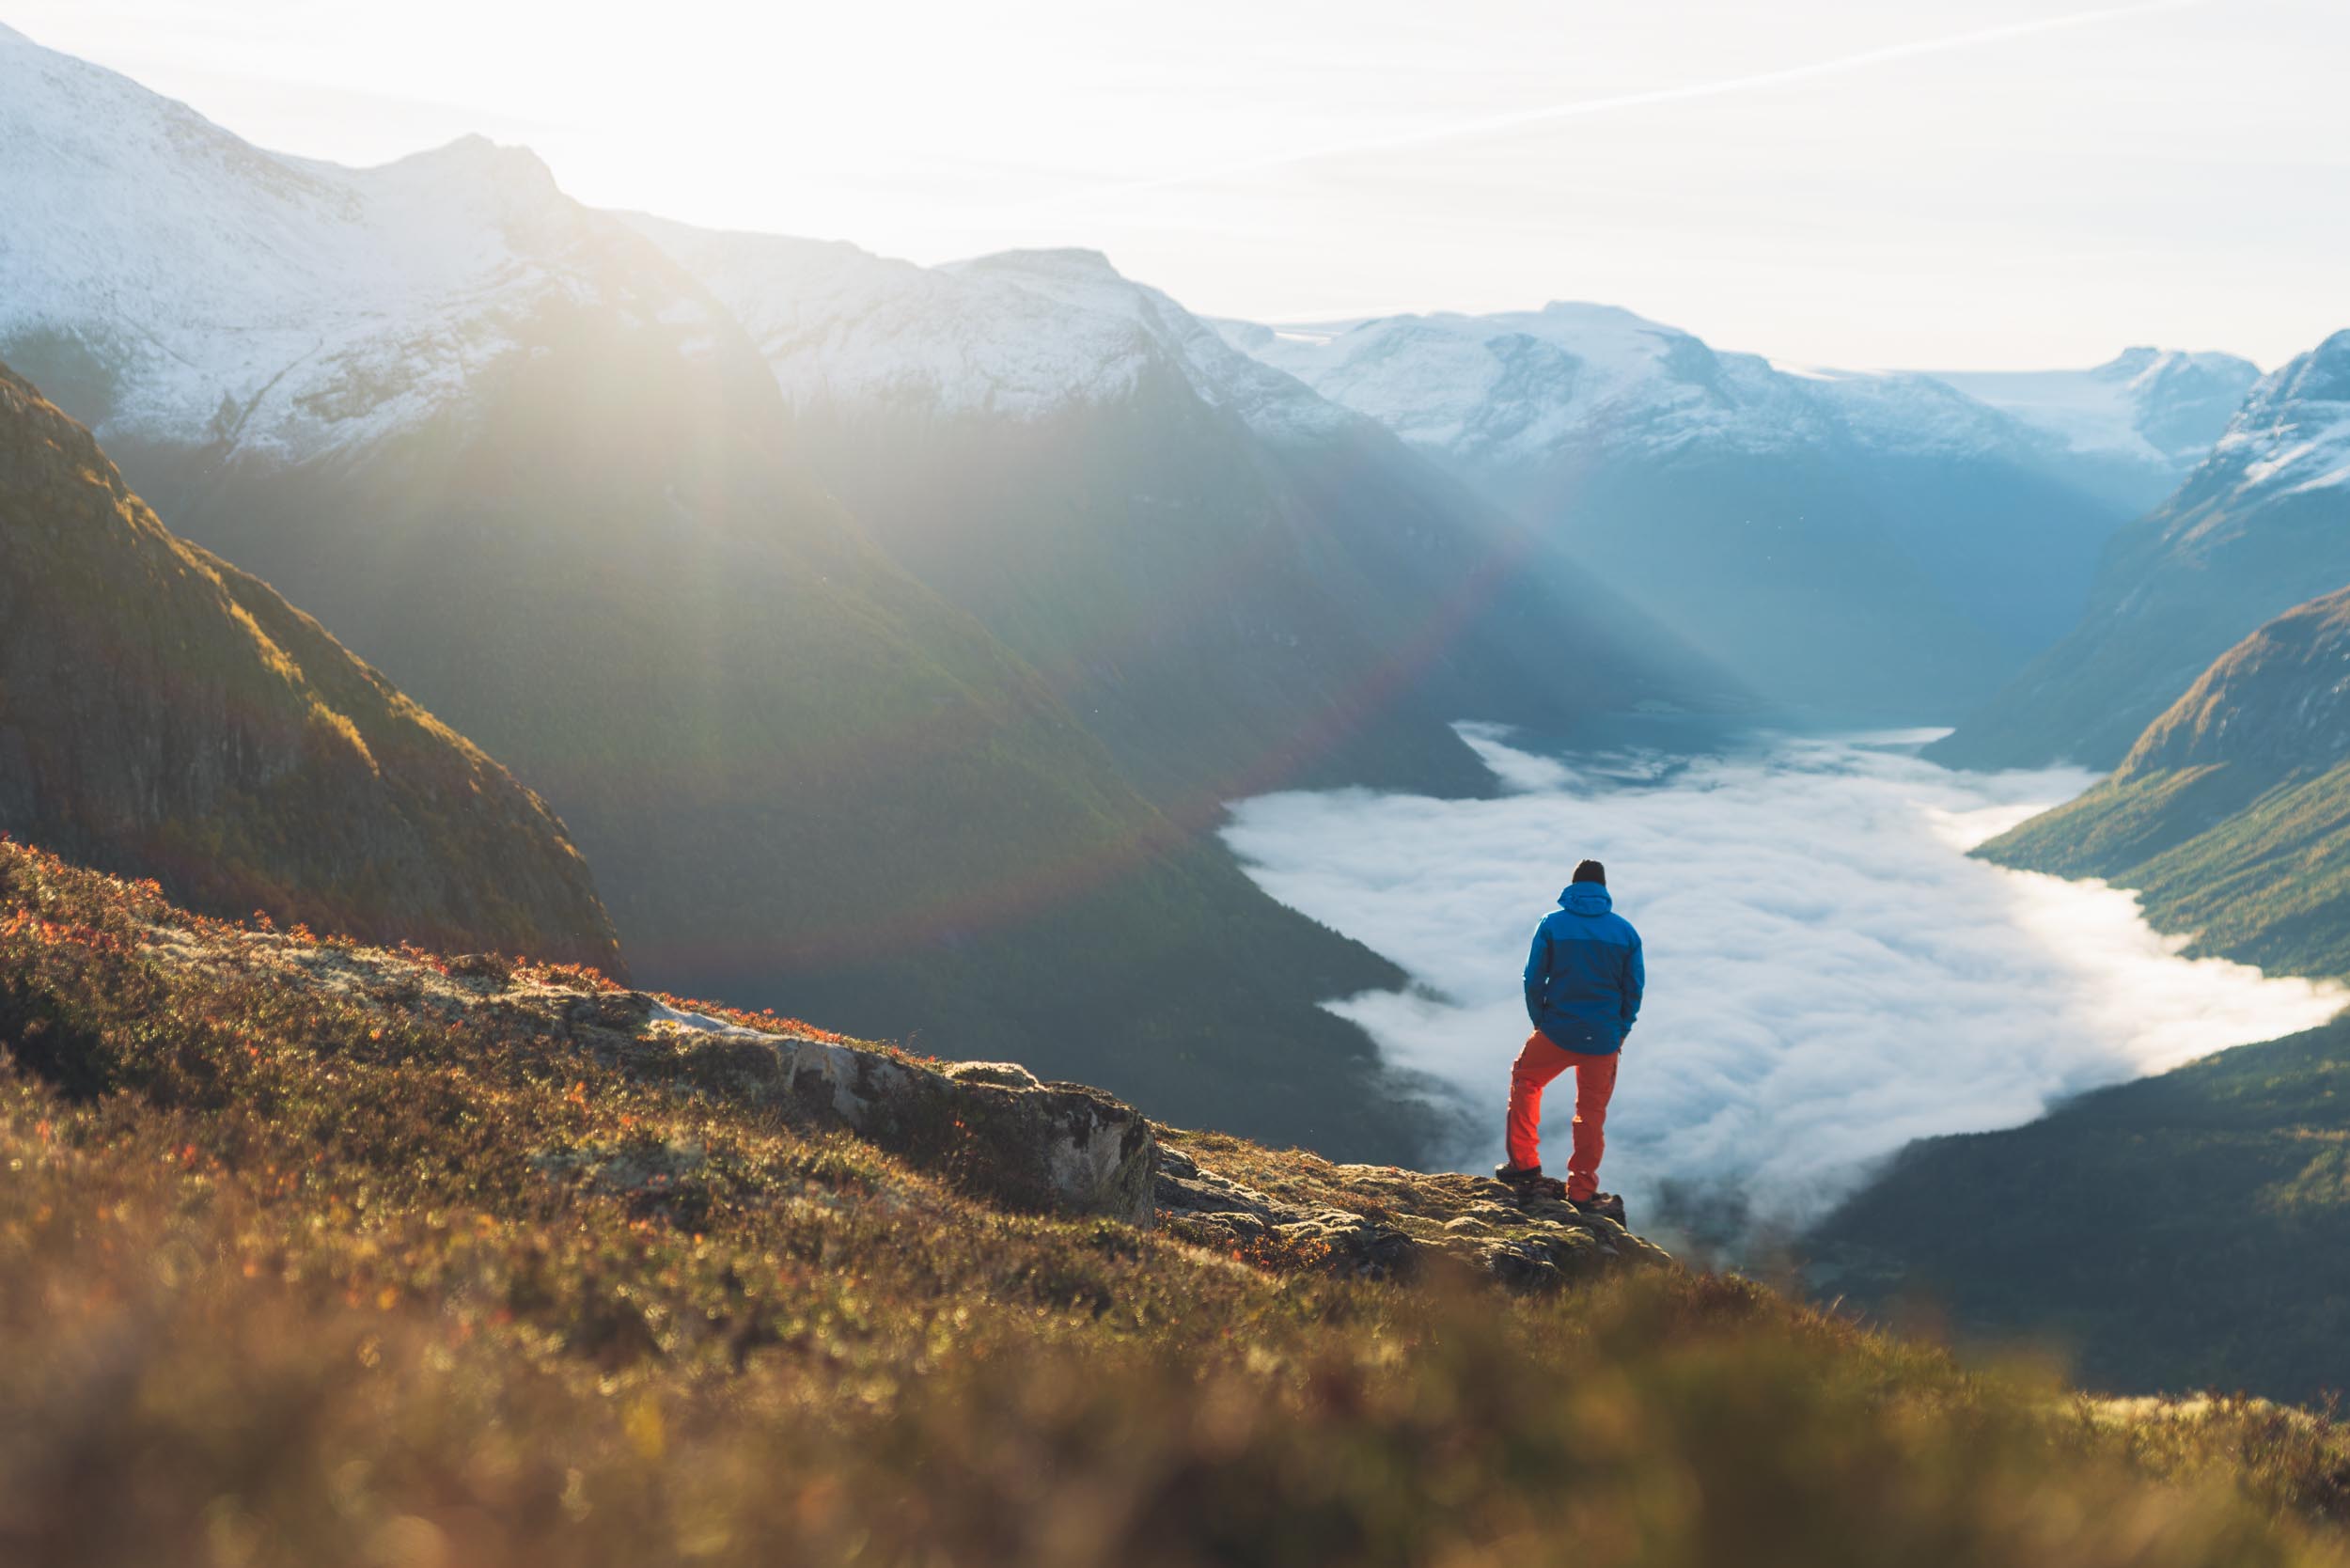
(1381, 1222)
(992, 1127)
(163, 715)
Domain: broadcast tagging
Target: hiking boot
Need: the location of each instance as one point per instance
(1528, 1185)
(1601, 1205)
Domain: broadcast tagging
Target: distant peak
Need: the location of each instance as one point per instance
(512, 166)
(2334, 351)
(1067, 259)
(1590, 315)
(1589, 307)
(474, 147)
(2322, 375)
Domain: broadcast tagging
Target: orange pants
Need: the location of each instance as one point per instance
(1595, 1084)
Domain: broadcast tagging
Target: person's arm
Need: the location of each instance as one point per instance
(1635, 984)
(1536, 975)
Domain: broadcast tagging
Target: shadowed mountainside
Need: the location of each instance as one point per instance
(1873, 547)
(163, 715)
(1236, 584)
(2257, 529)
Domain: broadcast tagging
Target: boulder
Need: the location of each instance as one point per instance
(990, 1127)
(1404, 1223)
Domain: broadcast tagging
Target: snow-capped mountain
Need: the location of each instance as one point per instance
(1021, 335)
(523, 463)
(2293, 436)
(1237, 581)
(1868, 545)
(1516, 388)
(173, 284)
(2262, 525)
(2152, 414)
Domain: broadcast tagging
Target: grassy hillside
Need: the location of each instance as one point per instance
(804, 780)
(312, 1254)
(2188, 1231)
(166, 716)
(2230, 815)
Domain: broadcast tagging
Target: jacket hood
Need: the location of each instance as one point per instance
(1586, 898)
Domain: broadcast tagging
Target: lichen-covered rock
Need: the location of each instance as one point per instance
(1379, 1222)
(992, 1127)
(1008, 1075)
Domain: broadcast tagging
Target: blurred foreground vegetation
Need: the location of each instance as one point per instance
(294, 1275)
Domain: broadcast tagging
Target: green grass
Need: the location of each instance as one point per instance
(288, 1276)
(2254, 871)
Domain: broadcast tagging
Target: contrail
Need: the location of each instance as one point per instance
(1518, 119)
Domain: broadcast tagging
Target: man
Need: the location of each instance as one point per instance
(1583, 983)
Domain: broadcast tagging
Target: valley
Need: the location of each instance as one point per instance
(1831, 973)
(697, 872)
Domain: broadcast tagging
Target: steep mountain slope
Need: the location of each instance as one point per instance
(1234, 582)
(166, 716)
(514, 456)
(2258, 529)
(2191, 1230)
(351, 1256)
(2232, 814)
(1860, 544)
(2139, 422)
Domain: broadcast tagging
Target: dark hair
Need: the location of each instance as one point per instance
(1591, 871)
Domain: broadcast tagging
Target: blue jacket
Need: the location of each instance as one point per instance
(1584, 978)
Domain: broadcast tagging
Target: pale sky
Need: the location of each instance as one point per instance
(1951, 184)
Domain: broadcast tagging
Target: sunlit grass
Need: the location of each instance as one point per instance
(294, 1274)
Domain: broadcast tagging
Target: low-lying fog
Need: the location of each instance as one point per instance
(1829, 975)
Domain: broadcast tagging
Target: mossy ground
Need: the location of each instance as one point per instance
(299, 1273)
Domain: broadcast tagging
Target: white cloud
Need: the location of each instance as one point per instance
(1830, 975)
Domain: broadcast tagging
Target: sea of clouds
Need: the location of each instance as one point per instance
(1830, 975)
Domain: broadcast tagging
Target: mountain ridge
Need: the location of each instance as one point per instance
(2253, 531)
(1865, 547)
(164, 714)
